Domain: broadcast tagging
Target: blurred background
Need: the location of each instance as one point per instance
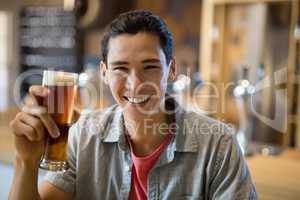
(238, 61)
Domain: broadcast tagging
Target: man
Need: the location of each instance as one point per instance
(146, 146)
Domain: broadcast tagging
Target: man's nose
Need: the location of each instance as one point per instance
(134, 81)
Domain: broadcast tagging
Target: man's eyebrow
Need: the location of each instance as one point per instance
(151, 60)
(119, 62)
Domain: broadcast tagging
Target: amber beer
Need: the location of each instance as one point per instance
(59, 103)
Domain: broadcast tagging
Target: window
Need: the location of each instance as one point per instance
(5, 41)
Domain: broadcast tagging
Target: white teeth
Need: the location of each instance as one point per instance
(138, 100)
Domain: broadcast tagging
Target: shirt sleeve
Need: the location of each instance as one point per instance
(66, 180)
(232, 178)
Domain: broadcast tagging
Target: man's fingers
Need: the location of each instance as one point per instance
(50, 125)
(41, 112)
(37, 93)
(34, 110)
(38, 90)
(20, 128)
(35, 123)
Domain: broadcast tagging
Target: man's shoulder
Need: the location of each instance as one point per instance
(201, 124)
(206, 132)
(206, 136)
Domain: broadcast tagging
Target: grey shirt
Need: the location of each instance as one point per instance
(203, 161)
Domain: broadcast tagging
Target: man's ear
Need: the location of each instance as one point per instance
(172, 70)
(103, 69)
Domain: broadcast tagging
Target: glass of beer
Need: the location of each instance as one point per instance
(59, 103)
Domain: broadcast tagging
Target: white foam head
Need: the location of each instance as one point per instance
(52, 78)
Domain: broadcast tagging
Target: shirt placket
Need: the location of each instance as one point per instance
(127, 171)
(153, 185)
(153, 176)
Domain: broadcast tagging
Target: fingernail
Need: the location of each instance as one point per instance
(56, 133)
(45, 91)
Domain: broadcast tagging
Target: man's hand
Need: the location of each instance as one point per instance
(30, 127)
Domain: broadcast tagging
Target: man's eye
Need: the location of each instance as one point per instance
(151, 67)
(120, 68)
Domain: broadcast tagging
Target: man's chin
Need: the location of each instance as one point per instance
(144, 110)
(139, 113)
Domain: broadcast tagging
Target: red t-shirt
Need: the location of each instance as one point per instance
(141, 167)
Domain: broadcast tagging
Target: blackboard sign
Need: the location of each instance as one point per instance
(49, 39)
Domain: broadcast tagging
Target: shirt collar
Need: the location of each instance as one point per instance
(184, 141)
(116, 129)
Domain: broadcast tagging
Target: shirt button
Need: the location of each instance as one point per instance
(127, 168)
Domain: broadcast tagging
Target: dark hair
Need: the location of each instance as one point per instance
(137, 21)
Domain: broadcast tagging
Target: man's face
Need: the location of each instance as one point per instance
(137, 73)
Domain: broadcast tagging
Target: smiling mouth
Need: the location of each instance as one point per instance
(138, 100)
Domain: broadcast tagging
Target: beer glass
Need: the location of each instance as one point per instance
(59, 103)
